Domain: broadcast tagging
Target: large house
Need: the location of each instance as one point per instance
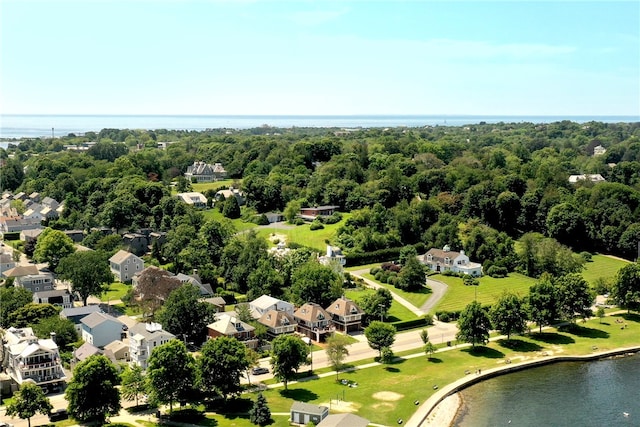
(76, 314)
(205, 172)
(345, 314)
(265, 303)
(231, 192)
(35, 281)
(29, 358)
(58, 297)
(143, 338)
(594, 177)
(278, 322)
(313, 321)
(100, 329)
(229, 325)
(440, 260)
(124, 265)
(195, 199)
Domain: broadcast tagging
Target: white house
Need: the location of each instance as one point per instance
(333, 255)
(445, 259)
(143, 338)
(264, 303)
(28, 358)
(124, 265)
(100, 329)
(594, 177)
(195, 199)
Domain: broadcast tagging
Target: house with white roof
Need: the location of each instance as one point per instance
(124, 265)
(29, 358)
(264, 303)
(593, 177)
(143, 338)
(195, 199)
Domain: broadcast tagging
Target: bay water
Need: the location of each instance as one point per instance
(597, 393)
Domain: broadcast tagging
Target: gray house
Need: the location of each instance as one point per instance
(305, 413)
(61, 298)
(76, 314)
(100, 329)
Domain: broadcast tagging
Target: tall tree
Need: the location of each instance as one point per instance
(64, 330)
(12, 299)
(314, 282)
(288, 353)
(171, 372)
(337, 351)
(380, 335)
(52, 246)
(376, 305)
(474, 324)
(626, 289)
(153, 288)
(28, 401)
(185, 315)
(412, 276)
(133, 382)
(92, 393)
(88, 272)
(231, 208)
(574, 296)
(508, 315)
(221, 364)
(31, 313)
(542, 303)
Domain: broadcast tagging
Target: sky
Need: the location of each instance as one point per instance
(329, 57)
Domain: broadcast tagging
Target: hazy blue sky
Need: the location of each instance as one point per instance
(320, 57)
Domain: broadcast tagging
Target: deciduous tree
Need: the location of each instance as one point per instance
(574, 297)
(337, 351)
(133, 382)
(12, 299)
(171, 372)
(508, 315)
(221, 364)
(52, 246)
(92, 393)
(288, 353)
(28, 401)
(380, 335)
(474, 324)
(376, 305)
(412, 277)
(316, 283)
(88, 272)
(185, 315)
(153, 289)
(626, 289)
(542, 303)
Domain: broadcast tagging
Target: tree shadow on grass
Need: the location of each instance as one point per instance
(552, 338)
(519, 345)
(434, 360)
(630, 317)
(299, 394)
(584, 332)
(482, 351)
(391, 369)
(231, 406)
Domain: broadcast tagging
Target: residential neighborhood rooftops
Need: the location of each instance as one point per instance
(79, 311)
(96, 318)
(21, 270)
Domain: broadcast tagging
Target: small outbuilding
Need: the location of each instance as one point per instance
(305, 413)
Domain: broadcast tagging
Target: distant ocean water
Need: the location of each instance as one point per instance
(33, 126)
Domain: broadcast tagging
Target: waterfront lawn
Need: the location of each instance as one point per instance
(602, 267)
(458, 295)
(444, 368)
(397, 312)
(415, 298)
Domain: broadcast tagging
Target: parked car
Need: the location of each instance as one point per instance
(259, 371)
(58, 414)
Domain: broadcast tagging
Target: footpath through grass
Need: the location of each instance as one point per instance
(386, 393)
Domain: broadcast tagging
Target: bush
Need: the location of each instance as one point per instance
(448, 316)
(316, 225)
(374, 271)
(334, 218)
(298, 221)
(261, 220)
(586, 256)
(497, 271)
(381, 255)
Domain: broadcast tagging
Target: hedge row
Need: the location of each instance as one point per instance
(412, 324)
(381, 255)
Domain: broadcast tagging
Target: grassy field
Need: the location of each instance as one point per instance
(303, 235)
(415, 298)
(458, 295)
(397, 312)
(602, 267)
(201, 187)
(238, 223)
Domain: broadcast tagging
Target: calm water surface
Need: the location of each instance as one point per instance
(594, 393)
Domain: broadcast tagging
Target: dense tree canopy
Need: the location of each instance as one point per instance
(474, 324)
(626, 289)
(221, 364)
(52, 246)
(88, 272)
(171, 372)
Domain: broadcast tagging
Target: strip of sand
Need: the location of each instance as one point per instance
(445, 412)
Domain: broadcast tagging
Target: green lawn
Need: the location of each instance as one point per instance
(458, 295)
(445, 368)
(397, 312)
(602, 266)
(201, 187)
(415, 298)
(238, 223)
(116, 291)
(303, 235)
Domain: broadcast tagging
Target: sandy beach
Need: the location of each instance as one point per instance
(444, 414)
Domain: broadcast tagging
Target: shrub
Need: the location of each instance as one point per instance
(374, 271)
(316, 225)
(497, 271)
(334, 218)
(586, 256)
(261, 220)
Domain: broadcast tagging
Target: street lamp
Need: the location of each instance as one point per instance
(307, 341)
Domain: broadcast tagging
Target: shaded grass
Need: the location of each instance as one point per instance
(459, 295)
(117, 290)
